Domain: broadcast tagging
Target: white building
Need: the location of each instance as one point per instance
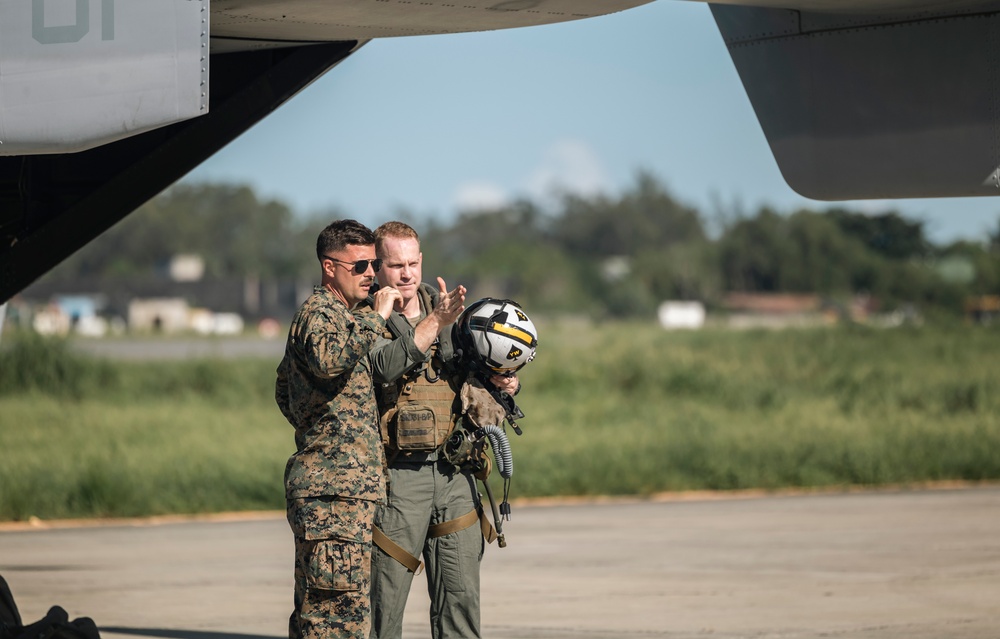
(673, 314)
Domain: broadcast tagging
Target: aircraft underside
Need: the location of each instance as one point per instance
(52, 205)
(858, 99)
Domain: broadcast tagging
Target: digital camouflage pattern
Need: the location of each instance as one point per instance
(335, 478)
(324, 389)
(332, 567)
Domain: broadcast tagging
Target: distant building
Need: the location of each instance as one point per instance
(249, 297)
(186, 268)
(984, 309)
(78, 307)
(205, 322)
(675, 314)
(51, 320)
(71, 313)
(158, 315)
(227, 324)
(774, 310)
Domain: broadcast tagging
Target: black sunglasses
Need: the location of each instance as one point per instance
(361, 266)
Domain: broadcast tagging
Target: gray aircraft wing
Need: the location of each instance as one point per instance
(877, 99)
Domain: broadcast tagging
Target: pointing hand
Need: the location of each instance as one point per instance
(450, 304)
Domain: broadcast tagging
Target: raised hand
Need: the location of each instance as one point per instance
(450, 304)
(385, 297)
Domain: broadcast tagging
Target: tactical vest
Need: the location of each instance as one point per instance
(417, 411)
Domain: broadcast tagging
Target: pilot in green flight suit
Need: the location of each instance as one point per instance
(432, 506)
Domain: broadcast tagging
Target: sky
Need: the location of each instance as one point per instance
(438, 124)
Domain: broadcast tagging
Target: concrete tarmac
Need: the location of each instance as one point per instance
(881, 565)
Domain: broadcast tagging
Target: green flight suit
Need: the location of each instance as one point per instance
(423, 491)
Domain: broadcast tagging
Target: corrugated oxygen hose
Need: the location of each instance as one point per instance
(501, 450)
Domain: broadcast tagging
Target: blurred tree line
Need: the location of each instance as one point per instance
(234, 231)
(609, 256)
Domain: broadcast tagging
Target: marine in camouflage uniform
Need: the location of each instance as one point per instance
(431, 509)
(335, 478)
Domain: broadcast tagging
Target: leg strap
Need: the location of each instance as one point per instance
(461, 523)
(396, 551)
(452, 525)
(413, 564)
(489, 534)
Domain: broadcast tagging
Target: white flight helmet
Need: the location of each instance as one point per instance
(497, 335)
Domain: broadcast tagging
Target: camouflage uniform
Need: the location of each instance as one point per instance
(424, 491)
(336, 476)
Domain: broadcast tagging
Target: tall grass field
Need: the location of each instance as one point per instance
(614, 409)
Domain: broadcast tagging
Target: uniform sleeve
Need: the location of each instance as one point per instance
(281, 390)
(391, 358)
(334, 340)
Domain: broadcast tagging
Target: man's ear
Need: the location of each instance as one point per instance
(328, 267)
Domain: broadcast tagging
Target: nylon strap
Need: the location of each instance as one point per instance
(413, 564)
(489, 534)
(396, 551)
(461, 523)
(452, 525)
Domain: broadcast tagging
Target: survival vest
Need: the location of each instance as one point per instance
(417, 412)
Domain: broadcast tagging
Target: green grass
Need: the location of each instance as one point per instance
(614, 409)
(91, 458)
(84, 437)
(634, 410)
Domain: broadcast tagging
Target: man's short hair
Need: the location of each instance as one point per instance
(398, 230)
(340, 234)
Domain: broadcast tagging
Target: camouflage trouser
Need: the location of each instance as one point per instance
(333, 544)
(419, 495)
